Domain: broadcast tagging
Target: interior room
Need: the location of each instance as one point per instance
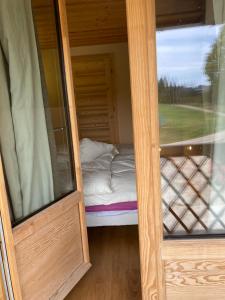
(112, 132)
(100, 63)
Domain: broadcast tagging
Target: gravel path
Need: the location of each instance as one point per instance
(201, 109)
(207, 139)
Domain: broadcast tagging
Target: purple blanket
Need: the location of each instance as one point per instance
(129, 205)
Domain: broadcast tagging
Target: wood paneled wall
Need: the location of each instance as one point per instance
(94, 22)
(94, 89)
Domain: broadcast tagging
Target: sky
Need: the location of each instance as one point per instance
(182, 52)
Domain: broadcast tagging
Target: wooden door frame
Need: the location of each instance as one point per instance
(155, 252)
(73, 121)
(12, 235)
(142, 55)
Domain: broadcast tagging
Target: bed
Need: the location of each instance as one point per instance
(118, 205)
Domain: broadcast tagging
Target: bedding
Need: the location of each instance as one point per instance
(97, 182)
(97, 175)
(90, 150)
(118, 207)
(123, 181)
(101, 163)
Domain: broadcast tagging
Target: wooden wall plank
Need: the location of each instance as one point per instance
(193, 249)
(176, 12)
(94, 90)
(195, 293)
(195, 279)
(96, 22)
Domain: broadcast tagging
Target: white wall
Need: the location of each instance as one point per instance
(122, 84)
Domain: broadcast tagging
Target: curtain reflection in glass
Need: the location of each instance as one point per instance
(36, 153)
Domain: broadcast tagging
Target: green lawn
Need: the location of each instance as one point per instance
(179, 124)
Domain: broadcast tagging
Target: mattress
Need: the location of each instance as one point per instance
(113, 218)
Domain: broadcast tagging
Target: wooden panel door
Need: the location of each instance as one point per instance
(94, 90)
(47, 250)
(180, 186)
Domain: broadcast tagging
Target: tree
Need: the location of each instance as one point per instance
(213, 66)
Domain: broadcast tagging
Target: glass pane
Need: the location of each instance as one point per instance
(34, 121)
(191, 81)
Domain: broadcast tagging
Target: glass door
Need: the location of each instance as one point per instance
(190, 65)
(177, 72)
(41, 190)
(36, 141)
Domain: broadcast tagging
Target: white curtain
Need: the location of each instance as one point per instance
(218, 92)
(7, 140)
(219, 11)
(23, 130)
(219, 17)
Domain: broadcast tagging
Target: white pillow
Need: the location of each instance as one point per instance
(90, 150)
(97, 182)
(103, 162)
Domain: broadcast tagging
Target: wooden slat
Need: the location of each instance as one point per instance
(193, 249)
(94, 89)
(96, 22)
(142, 53)
(176, 12)
(170, 7)
(195, 279)
(195, 293)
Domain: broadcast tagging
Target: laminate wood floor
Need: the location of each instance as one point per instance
(115, 272)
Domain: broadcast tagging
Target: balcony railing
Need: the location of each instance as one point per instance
(193, 190)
